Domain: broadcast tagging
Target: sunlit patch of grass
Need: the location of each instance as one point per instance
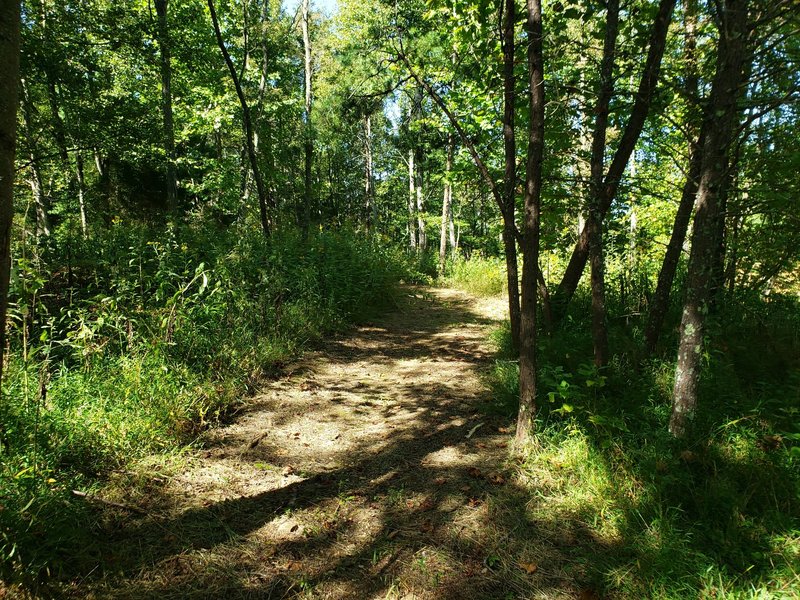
(477, 276)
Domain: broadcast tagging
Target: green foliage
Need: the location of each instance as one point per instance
(714, 516)
(163, 336)
(478, 276)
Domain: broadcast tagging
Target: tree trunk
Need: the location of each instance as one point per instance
(666, 276)
(166, 103)
(9, 83)
(412, 202)
(630, 135)
(508, 201)
(530, 231)
(446, 201)
(264, 195)
(721, 121)
(308, 145)
(369, 181)
(422, 235)
(596, 164)
(680, 226)
(40, 201)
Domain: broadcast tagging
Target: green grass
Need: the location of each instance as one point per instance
(161, 334)
(478, 276)
(714, 516)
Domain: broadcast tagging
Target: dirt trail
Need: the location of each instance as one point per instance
(368, 471)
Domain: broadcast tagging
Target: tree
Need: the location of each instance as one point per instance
(166, 102)
(720, 124)
(9, 82)
(265, 201)
(630, 135)
(530, 231)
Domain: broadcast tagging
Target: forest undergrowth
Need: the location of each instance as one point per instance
(147, 339)
(716, 515)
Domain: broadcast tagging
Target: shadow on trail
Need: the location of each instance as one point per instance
(416, 512)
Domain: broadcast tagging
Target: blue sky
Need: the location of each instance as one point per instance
(326, 6)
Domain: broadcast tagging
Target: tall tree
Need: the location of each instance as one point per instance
(308, 134)
(531, 224)
(721, 120)
(265, 201)
(9, 83)
(594, 221)
(630, 135)
(166, 102)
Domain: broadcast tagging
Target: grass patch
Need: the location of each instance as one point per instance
(477, 276)
(641, 515)
(155, 338)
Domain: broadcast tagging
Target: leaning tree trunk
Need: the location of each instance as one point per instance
(9, 83)
(721, 121)
(680, 226)
(264, 195)
(530, 230)
(630, 135)
(166, 103)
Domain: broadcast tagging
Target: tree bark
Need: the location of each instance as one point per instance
(40, 201)
(422, 235)
(633, 128)
(412, 202)
(264, 195)
(9, 83)
(508, 203)
(308, 143)
(369, 181)
(530, 231)
(597, 166)
(680, 226)
(446, 202)
(164, 48)
(720, 124)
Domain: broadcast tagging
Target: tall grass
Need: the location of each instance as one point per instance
(147, 341)
(713, 516)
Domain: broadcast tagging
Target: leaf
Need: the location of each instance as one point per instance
(392, 534)
(475, 472)
(503, 430)
(497, 479)
(529, 567)
(440, 480)
(426, 527)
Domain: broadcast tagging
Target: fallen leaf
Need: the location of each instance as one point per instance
(502, 445)
(427, 504)
(426, 527)
(475, 472)
(503, 430)
(529, 567)
(288, 470)
(474, 502)
(392, 534)
(294, 565)
(294, 528)
(440, 480)
(481, 445)
(497, 479)
(465, 488)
